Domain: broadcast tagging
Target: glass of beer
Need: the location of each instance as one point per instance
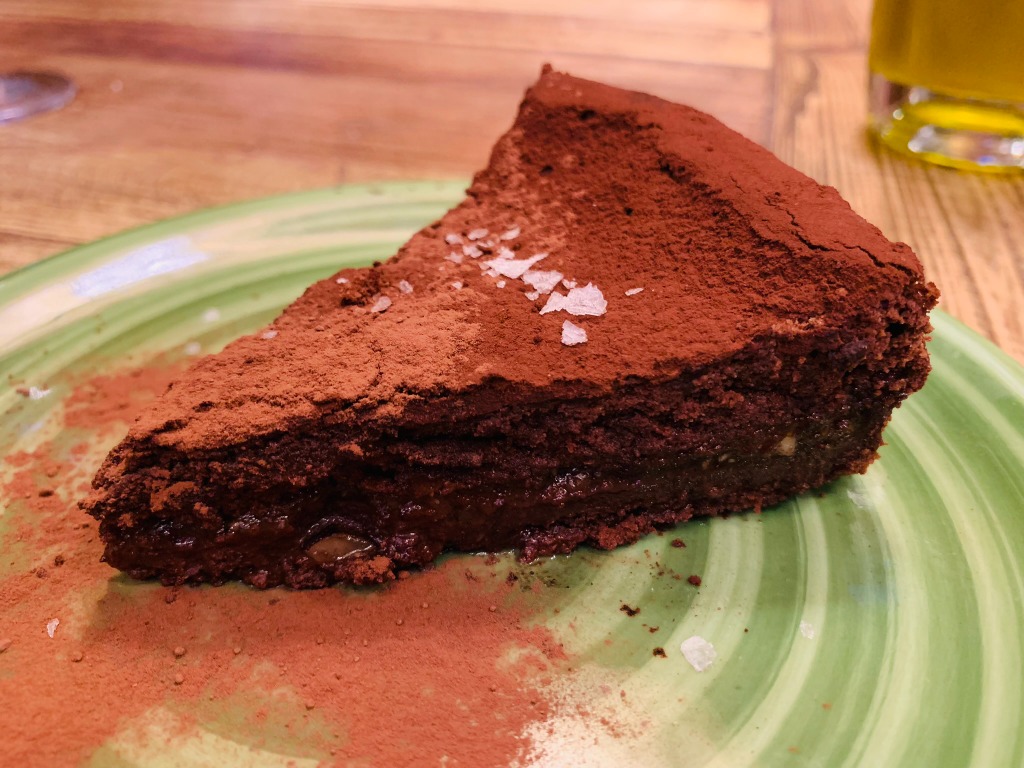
(947, 80)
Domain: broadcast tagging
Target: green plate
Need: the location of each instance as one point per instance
(879, 623)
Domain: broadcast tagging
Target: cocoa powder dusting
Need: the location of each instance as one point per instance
(440, 666)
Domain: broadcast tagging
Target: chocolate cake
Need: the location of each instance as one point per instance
(636, 316)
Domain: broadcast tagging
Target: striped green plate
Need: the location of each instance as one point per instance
(879, 623)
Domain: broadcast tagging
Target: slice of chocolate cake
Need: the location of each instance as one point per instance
(635, 316)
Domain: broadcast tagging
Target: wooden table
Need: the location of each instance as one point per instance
(190, 103)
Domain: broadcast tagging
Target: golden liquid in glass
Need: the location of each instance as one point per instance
(970, 53)
(968, 48)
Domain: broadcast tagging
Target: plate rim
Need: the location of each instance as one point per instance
(226, 210)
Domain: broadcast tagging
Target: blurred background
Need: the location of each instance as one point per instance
(185, 104)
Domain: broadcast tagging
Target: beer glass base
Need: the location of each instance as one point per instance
(971, 134)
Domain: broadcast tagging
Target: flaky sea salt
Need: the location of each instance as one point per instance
(514, 268)
(500, 283)
(506, 253)
(381, 304)
(211, 315)
(542, 281)
(510, 234)
(532, 295)
(341, 280)
(193, 348)
(807, 629)
(477, 234)
(472, 251)
(587, 300)
(457, 285)
(699, 652)
(268, 334)
(634, 291)
(453, 239)
(486, 244)
(51, 626)
(454, 257)
(405, 286)
(569, 284)
(572, 334)
(37, 393)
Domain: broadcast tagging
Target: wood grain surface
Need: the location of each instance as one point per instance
(185, 104)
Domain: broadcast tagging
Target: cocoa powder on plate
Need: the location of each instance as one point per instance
(436, 666)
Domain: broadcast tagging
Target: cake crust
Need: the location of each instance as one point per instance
(429, 403)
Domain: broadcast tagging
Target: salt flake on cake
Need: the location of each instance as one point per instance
(542, 281)
(405, 286)
(455, 258)
(472, 251)
(569, 284)
(587, 300)
(514, 268)
(634, 291)
(572, 334)
(381, 304)
(453, 239)
(341, 280)
(51, 626)
(37, 393)
(532, 295)
(268, 334)
(506, 253)
(477, 234)
(510, 234)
